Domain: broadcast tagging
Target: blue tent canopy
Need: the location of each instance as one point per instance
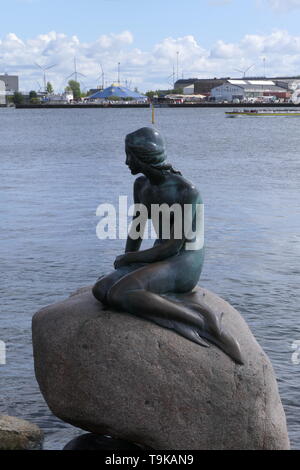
(117, 90)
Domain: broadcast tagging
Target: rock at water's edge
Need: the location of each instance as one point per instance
(18, 434)
(115, 374)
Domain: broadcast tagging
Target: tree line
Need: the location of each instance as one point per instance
(34, 97)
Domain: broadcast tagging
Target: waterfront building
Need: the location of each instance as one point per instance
(205, 85)
(8, 85)
(179, 99)
(202, 86)
(63, 98)
(247, 90)
(2, 94)
(11, 82)
(290, 83)
(189, 90)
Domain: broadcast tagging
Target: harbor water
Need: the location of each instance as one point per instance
(58, 165)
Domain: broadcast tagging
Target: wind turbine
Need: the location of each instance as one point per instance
(177, 62)
(44, 73)
(245, 71)
(75, 73)
(101, 76)
(172, 76)
(39, 86)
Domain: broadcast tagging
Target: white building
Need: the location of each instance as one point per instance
(64, 98)
(229, 91)
(189, 90)
(2, 93)
(11, 82)
(245, 89)
(290, 83)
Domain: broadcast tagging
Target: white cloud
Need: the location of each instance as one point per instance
(284, 5)
(222, 50)
(277, 5)
(218, 3)
(145, 69)
(280, 50)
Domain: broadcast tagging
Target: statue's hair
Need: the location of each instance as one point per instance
(148, 146)
(167, 167)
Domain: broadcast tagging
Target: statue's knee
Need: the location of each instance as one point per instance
(99, 291)
(114, 297)
(120, 295)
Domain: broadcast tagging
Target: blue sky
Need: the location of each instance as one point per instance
(149, 21)
(212, 37)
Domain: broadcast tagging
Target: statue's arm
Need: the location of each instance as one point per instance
(169, 247)
(133, 244)
(157, 253)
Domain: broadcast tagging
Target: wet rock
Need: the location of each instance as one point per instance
(114, 374)
(17, 434)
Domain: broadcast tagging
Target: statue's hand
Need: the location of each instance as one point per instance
(121, 260)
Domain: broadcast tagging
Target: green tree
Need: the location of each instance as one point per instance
(177, 91)
(33, 97)
(151, 93)
(49, 88)
(75, 88)
(18, 98)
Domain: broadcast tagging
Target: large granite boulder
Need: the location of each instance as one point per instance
(115, 374)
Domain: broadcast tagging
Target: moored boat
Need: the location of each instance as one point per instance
(263, 113)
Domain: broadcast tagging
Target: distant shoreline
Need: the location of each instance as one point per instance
(163, 105)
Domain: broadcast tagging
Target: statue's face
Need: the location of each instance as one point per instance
(133, 163)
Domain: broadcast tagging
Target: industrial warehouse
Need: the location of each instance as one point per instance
(279, 89)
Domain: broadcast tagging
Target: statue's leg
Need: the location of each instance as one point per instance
(104, 283)
(141, 293)
(138, 293)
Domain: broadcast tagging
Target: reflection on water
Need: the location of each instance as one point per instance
(58, 165)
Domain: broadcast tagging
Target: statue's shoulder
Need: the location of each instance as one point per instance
(188, 188)
(140, 181)
(184, 183)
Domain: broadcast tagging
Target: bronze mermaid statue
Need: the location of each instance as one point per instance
(146, 282)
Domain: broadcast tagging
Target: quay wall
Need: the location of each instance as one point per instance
(163, 105)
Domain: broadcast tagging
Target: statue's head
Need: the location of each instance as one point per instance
(145, 147)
